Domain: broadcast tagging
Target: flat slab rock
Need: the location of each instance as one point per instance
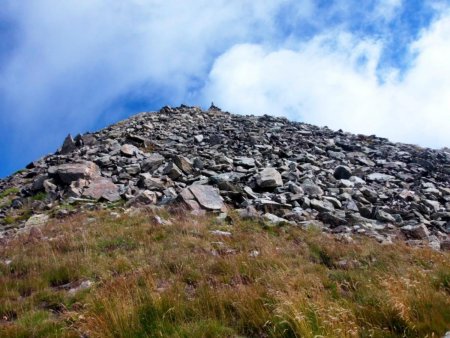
(207, 196)
(70, 172)
(102, 188)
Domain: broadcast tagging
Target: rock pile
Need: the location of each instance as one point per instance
(263, 166)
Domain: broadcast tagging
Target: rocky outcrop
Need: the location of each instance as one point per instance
(279, 171)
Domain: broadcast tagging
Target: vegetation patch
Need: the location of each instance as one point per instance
(9, 192)
(102, 275)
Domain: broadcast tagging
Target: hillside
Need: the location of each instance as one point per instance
(269, 167)
(192, 223)
(154, 273)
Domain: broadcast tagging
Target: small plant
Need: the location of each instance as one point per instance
(19, 171)
(40, 196)
(58, 276)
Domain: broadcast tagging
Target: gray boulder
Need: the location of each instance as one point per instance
(70, 172)
(207, 196)
(269, 178)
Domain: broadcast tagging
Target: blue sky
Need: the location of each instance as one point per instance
(374, 67)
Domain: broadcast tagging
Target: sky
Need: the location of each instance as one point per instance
(372, 67)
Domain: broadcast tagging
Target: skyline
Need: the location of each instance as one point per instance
(375, 68)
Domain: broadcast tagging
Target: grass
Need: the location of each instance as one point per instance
(181, 280)
(9, 192)
(40, 196)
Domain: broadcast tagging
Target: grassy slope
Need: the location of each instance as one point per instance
(181, 280)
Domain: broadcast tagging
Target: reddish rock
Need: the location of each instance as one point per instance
(102, 188)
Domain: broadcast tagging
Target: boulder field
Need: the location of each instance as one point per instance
(265, 167)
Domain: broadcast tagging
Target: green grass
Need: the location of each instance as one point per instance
(152, 280)
(40, 196)
(9, 192)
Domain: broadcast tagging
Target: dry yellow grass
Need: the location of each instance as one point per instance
(182, 280)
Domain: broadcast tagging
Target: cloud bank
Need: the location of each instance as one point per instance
(335, 80)
(374, 67)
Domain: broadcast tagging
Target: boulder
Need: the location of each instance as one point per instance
(129, 150)
(102, 188)
(142, 198)
(269, 178)
(207, 196)
(68, 145)
(152, 162)
(311, 189)
(419, 231)
(247, 162)
(37, 220)
(183, 163)
(70, 172)
(384, 216)
(342, 172)
(172, 171)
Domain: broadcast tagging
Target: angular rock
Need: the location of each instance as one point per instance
(247, 162)
(311, 189)
(129, 150)
(102, 188)
(332, 219)
(145, 197)
(383, 216)
(68, 145)
(172, 171)
(269, 178)
(323, 206)
(152, 162)
(37, 220)
(274, 219)
(198, 138)
(183, 163)
(419, 231)
(207, 196)
(151, 183)
(133, 169)
(70, 172)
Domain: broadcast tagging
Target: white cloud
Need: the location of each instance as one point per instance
(386, 9)
(332, 80)
(73, 58)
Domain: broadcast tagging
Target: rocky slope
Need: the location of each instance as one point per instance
(265, 167)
